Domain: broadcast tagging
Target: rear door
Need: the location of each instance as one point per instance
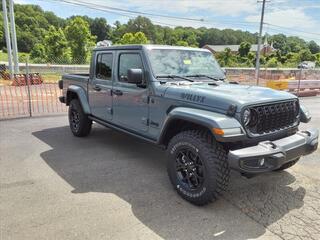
(130, 102)
(100, 88)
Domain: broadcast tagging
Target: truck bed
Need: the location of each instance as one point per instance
(82, 77)
(78, 79)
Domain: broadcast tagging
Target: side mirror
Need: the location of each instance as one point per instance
(135, 76)
(224, 71)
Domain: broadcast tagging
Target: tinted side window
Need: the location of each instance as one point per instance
(104, 66)
(126, 62)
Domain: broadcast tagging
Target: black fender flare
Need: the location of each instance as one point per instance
(201, 117)
(82, 96)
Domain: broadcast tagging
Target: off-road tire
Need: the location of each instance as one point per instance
(287, 165)
(214, 159)
(83, 126)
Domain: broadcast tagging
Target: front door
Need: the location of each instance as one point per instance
(100, 88)
(130, 102)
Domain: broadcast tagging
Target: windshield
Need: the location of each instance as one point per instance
(179, 62)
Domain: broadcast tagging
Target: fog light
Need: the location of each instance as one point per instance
(261, 162)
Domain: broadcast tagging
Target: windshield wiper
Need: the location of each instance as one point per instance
(175, 76)
(203, 75)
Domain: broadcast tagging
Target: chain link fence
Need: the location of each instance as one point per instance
(302, 82)
(35, 92)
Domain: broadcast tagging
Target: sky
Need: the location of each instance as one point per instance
(291, 17)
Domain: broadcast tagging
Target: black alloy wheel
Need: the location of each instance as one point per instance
(79, 122)
(197, 166)
(189, 168)
(74, 119)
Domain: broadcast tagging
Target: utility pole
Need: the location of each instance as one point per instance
(259, 43)
(7, 34)
(13, 37)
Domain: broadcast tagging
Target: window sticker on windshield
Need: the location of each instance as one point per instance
(187, 61)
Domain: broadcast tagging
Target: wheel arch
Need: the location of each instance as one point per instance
(77, 92)
(182, 118)
(176, 125)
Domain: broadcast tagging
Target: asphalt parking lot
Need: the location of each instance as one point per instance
(113, 186)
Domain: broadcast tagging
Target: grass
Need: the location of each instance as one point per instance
(50, 77)
(3, 57)
(22, 57)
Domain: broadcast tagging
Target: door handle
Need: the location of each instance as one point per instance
(96, 88)
(117, 92)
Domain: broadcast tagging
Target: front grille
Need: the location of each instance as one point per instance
(273, 117)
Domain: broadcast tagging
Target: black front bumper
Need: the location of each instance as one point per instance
(271, 155)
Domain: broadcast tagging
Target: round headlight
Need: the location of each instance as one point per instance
(246, 117)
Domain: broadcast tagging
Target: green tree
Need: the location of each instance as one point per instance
(280, 42)
(54, 20)
(140, 38)
(169, 36)
(272, 62)
(182, 43)
(56, 46)
(293, 59)
(80, 39)
(296, 44)
(142, 24)
(1, 32)
(26, 40)
(252, 59)
(226, 58)
(100, 28)
(317, 58)
(31, 26)
(118, 31)
(186, 35)
(305, 55)
(127, 38)
(136, 38)
(244, 49)
(38, 53)
(159, 32)
(23, 57)
(192, 40)
(33, 23)
(262, 60)
(313, 47)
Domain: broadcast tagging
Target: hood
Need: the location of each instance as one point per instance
(221, 95)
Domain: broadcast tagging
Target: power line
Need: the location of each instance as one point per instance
(184, 18)
(275, 28)
(292, 34)
(113, 12)
(294, 30)
(130, 13)
(117, 13)
(154, 14)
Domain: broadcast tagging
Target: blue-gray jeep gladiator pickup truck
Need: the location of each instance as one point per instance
(179, 98)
